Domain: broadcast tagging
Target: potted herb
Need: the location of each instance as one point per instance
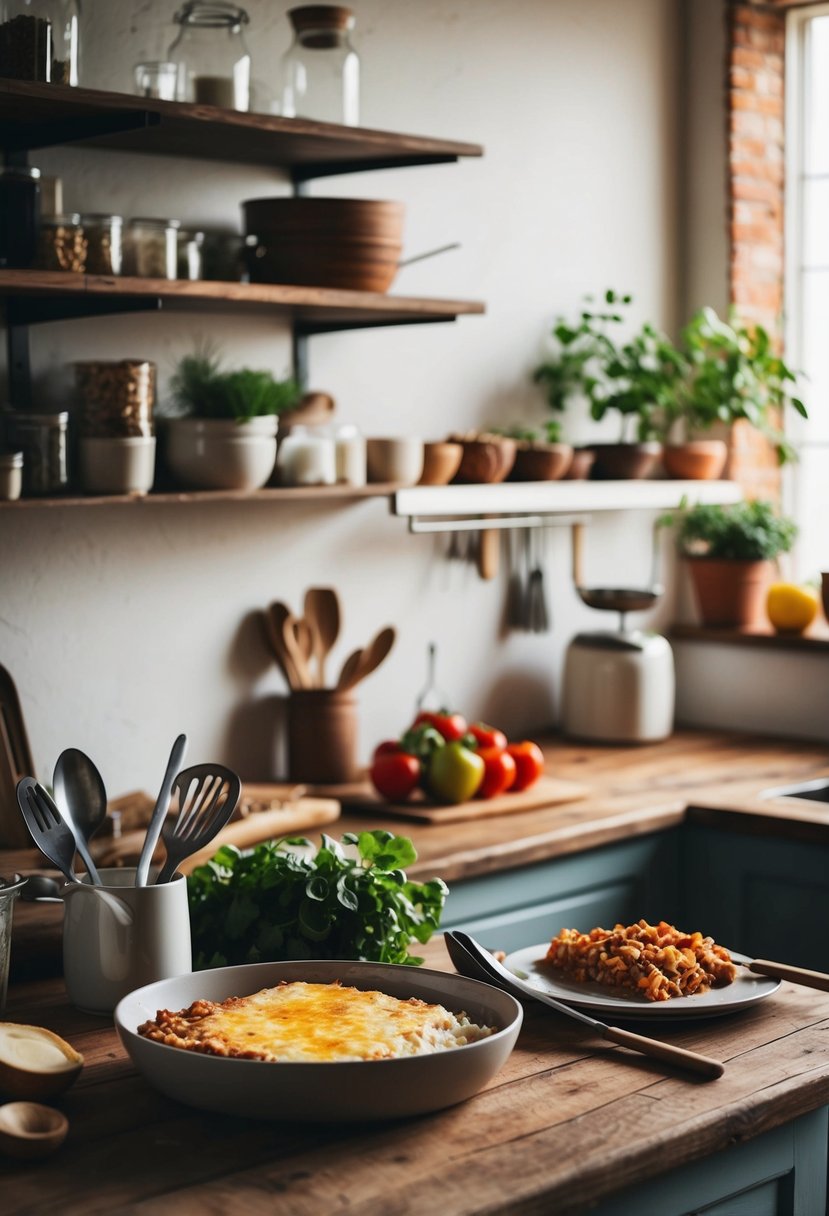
(733, 375)
(540, 454)
(637, 379)
(730, 551)
(223, 434)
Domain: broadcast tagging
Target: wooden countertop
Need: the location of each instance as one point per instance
(552, 1131)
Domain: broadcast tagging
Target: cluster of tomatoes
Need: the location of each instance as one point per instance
(452, 761)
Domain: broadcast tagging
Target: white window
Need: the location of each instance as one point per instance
(807, 277)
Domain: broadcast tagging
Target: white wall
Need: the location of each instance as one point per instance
(124, 626)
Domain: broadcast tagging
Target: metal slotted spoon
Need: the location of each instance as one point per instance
(207, 794)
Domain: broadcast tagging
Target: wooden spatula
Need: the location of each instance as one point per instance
(322, 611)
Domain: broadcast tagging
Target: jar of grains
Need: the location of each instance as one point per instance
(151, 248)
(61, 244)
(103, 243)
(116, 398)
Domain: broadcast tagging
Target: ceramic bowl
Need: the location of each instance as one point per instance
(441, 462)
(546, 462)
(121, 465)
(344, 1092)
(214, 454)
(394, 460)
(485, 460)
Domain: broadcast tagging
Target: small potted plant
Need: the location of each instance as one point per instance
(540, 454)
(730, 551)
(637, 379)
(733, 375)
(223, 434)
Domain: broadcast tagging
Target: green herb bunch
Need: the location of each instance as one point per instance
(276, 902)
(201, 389)
(747, 531)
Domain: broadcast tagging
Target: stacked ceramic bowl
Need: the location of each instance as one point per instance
(348, 243)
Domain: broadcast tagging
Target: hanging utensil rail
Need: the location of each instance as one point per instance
(476, 523)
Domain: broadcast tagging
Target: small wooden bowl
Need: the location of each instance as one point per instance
(441, 462)
(485, 460)
(547, 462)
(581, 464)
(29, 1130)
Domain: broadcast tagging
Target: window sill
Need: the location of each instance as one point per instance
(814, 641)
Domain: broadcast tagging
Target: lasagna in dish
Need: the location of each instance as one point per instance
(310, 1023)
(657, 961)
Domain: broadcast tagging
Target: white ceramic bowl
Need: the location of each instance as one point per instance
(120, 465)
(394, 460)
(352, 1091)
(214, 454)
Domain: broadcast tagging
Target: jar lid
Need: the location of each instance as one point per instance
(321, 17)
(144, 222)
(23, 171)
(71, 220)
(211, 14)
(100, 217)
(11, 460)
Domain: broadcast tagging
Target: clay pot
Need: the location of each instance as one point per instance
(696, 460)
(485, 460)
(625, 461)
(441, 462)
(731, 592)
(580, 465)
(544, 462)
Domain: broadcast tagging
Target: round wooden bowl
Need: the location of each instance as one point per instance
(485, 460)
(351, 265)
(549, 462)
(625, 461)
(335, 217)
(441, 462)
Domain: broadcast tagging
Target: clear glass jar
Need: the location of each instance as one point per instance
(39, 40)
(61, 243)
(104, 250)
(42, 440)
(151, 249)
(321, 69)
(156, 79)
(307, 457)
(19, 215)
(351, 455)
(116, 398)
(213, 60)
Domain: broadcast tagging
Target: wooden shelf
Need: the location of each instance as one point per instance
(40, 116)
(44, 295)
(814, 640)
(278, 494)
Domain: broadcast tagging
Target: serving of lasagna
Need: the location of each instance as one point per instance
(657, 961)
(311, 1023)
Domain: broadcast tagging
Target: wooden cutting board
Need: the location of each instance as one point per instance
(547, 791)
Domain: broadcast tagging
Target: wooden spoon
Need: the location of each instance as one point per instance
(322, 610)
(374, 654)
(295, 654)
(274, 617)
(305, 637)
(349, 675)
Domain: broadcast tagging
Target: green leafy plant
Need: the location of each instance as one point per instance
(734, 373)
(201, 389)
(276, 902)
(547, 432)
(744, 531)
(639, 379)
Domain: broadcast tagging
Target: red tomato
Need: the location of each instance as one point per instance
(529, 763)
(488, 736)
(395, 775)
(500, 772)
(387, 748)
(451, 726)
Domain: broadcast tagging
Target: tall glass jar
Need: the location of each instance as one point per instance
(39, 40)
(321, 69)
(213, 60)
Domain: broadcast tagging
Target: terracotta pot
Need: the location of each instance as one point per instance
(485, 460)
(625, 461)
(697, 460)
(581, 464)
(543, 463)
(731, 592)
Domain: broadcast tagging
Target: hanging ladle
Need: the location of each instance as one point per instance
(614, 599)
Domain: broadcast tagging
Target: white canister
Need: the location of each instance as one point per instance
(11, 475)
(122, 465)
(118, 937)
(307, 457)
(351, 456)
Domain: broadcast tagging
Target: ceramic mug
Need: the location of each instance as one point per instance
(118, 937)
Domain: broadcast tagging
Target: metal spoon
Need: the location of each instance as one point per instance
(82, 800)
(159, 811)
(470, 958)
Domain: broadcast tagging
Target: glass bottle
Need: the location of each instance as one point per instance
(321, 69)
(213, 60)
(39, 40)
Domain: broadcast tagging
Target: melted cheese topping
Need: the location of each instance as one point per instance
(299, 1022)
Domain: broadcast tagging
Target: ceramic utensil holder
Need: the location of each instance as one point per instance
(322, 736)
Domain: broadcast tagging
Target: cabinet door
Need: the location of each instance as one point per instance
(620, 882)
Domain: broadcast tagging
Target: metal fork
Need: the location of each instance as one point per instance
(50, 832)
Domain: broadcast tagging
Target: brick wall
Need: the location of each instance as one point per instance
(756, 180)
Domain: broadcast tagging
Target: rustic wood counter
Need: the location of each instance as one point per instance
(569, 1122)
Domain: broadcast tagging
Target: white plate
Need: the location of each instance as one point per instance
(326, 1092)
(598, 999)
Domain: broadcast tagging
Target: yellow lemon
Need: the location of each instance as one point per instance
(790, 608)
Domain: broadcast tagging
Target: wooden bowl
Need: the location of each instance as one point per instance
(30, 1131)
(547, 462)
(625, 461)
(581, 464)
(485, 460)
(307, 262)
(332, 217)
(697, 460)
(441, 462)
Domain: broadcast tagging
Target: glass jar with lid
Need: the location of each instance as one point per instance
(61, 244)
(151, 249)
(321, 69)
(213, 60)
(103, 243)
(39, 40)
(42, 440)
